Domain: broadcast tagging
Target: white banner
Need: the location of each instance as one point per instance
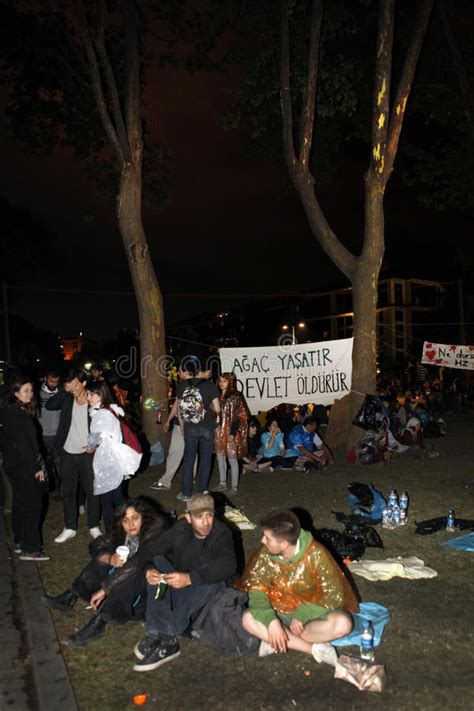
(318, 373)
(448, 356)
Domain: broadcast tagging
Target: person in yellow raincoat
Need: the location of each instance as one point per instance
(299, 598)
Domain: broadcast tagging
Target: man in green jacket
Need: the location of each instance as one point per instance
(298, 595)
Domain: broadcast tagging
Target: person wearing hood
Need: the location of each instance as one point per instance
(113, 460)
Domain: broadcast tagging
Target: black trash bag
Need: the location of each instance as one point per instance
(433, 525)
(349, 518)
(341, 545)
(366, 417)
(366, 533)
(363, 492)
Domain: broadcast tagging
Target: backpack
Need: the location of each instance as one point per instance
(128, 435)
(219, 625)
(191, 404)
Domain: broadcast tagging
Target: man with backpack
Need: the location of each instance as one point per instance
(198, 407)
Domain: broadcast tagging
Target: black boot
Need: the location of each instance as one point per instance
(94, 628)
(64, 602)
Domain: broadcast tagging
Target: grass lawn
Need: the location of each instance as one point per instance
(427, 648)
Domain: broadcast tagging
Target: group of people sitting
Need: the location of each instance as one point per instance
(397, 430)
(303, 449)
(297, 595)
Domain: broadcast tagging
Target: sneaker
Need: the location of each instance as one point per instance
(222, 486)
(17, 548)
(36, 556)
(65, 535)
(324, 653)
(159, 486)
(144, 647)
(160, 653)
(95, 532)
(265, 649)
(182, 497)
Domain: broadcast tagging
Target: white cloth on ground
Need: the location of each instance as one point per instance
(411, 568)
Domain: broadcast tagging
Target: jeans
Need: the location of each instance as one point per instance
(175, 456)
(75, 468)
(173, 613)
(197, 439)
(26, 509)
(110, 501)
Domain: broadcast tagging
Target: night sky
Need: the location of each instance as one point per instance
(232, 223)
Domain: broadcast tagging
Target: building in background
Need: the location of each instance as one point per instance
(71, 345)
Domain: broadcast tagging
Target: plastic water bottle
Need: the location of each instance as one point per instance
(367, 642)
(450, 521)
(403, 503)
(392, 498)
(386, 517)
(396, 519)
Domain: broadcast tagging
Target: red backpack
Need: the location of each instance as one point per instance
(128, 435)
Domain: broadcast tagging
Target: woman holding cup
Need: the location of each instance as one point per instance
(113, 583)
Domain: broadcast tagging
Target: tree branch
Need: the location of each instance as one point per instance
(307, 112)
(111, 82)
(132, 90)
(285, 89)
(96, 80)
(383, 71)
(404, 85)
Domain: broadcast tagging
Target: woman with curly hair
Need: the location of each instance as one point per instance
(24, 468)
(115, 586)
(231, 436)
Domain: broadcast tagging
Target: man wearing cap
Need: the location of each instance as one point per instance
(194, 558)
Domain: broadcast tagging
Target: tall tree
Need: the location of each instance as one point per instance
(66, 64)
(388, 111)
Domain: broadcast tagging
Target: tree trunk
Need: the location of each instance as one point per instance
(364, 307)
(152, 364)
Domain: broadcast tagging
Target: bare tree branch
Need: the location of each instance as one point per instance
(307, 113)
(404, 85)
(298, 169)
(96, 80)
(132, 89)
(383, 71)
(111, 82)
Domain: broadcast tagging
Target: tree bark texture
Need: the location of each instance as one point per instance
(148, 295)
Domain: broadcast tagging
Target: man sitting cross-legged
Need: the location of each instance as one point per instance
(298, 595)
(194, 558)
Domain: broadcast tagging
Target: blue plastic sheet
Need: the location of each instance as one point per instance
(377, 614)
(463, 543)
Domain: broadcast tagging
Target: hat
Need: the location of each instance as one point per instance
(200, 503)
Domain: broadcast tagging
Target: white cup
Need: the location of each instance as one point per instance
(123, 552)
